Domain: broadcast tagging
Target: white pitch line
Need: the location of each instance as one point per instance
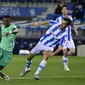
(49, 77)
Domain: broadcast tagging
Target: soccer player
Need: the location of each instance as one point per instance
(8, 34)
(69, 42)
(54, 35)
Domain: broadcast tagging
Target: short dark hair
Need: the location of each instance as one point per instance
(64, 6)
(6, 16)
(68, 20)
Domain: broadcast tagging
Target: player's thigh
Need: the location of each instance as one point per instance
(40, 47)
(6, 58)
(37, 48)
(71, 44)
(47, 52)
(72, 50)
(48, 49)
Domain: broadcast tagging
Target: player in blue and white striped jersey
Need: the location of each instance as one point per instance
(54, 35)
(69, 43)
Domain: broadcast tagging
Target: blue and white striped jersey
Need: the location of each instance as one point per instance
(59, 20)
(53, 36)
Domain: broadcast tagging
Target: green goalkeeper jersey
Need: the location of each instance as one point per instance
(7, 43)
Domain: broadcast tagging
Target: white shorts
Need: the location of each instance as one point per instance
(69, 44)
(40, 47)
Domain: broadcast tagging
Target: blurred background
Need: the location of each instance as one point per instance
(24, 12)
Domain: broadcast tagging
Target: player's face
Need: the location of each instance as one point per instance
(63, 24)
(64, 10)
(6, 21)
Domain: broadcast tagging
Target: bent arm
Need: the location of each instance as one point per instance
(57, 51)
(74, 29)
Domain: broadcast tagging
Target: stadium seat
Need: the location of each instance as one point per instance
(70, 6)
(51, 16)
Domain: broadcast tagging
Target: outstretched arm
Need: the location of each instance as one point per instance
(40, 23)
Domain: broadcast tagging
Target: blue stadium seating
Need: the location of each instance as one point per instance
(28, 0)
(51, 16)
(70, 6)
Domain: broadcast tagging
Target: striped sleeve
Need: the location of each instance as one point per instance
(52, 22)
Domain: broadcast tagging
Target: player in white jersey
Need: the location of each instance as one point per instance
(54, 35)
(69, 43)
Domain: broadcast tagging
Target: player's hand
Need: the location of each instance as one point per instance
(35, 24)
(7, 34)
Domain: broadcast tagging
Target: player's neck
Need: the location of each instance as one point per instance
(65, 16)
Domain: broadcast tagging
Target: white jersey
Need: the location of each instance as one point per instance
(53, 36)
(59, 21)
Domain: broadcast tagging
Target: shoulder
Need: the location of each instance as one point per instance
(13, 25)
(59, 17)
(57, 25)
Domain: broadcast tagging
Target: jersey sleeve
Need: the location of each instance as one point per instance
(52, 22)
(13, 26)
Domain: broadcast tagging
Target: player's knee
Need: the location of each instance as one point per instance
(72, 52)
(64, 53)
(45, 57)
(30, 56)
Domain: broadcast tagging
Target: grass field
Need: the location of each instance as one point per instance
(52, 74)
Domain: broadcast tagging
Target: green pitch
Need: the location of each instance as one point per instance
(52, 74)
